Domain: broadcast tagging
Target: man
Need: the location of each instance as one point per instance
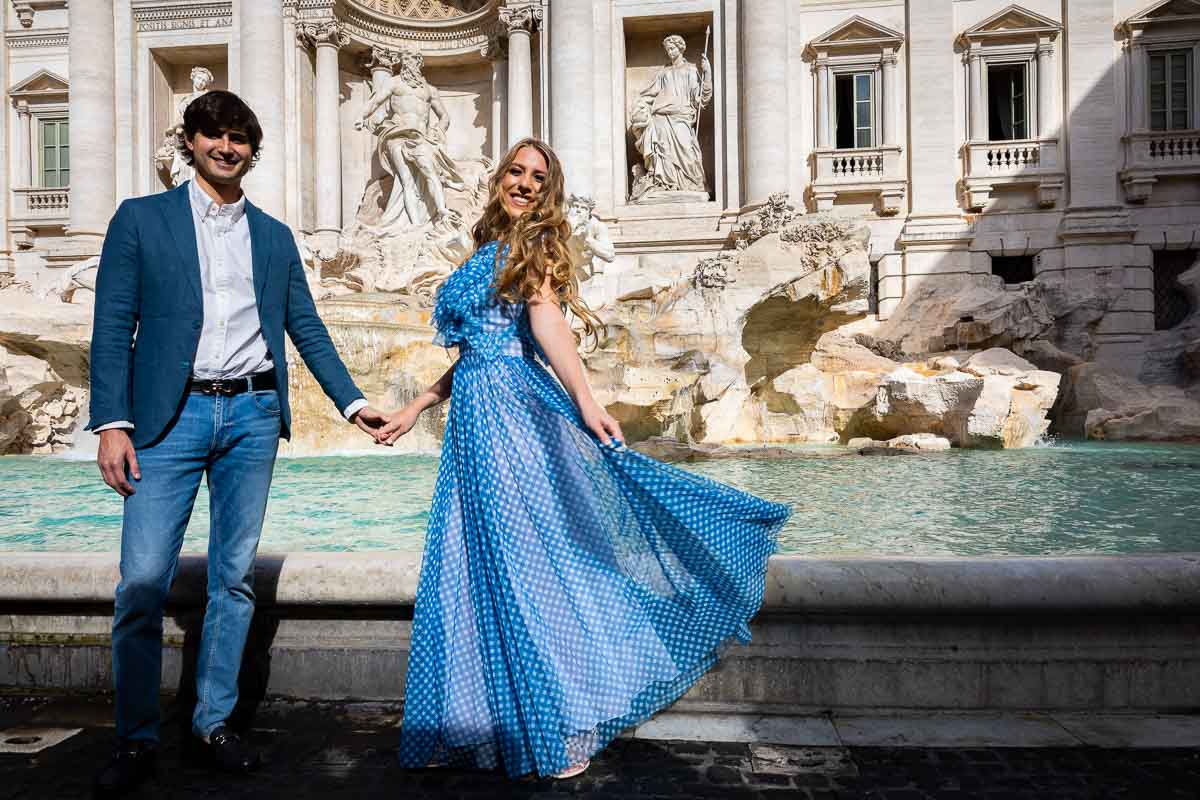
(412, 138)
(195, 290)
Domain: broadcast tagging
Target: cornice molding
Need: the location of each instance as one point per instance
(148, 18)
(51, 37)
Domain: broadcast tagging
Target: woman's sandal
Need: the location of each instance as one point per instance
(573, 771)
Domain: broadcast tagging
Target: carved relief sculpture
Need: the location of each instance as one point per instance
(168, 159)
(412, 144)
(589, 237)
(664, 126)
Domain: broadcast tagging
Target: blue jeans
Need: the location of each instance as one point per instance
(232, 440)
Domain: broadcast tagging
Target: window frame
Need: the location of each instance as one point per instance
(1166, 50)
(1027, 116)
(58, 122)
(872, 68)
(873, 101)
(1012, 55)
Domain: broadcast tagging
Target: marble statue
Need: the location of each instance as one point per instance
(168, 159)
(412, 145)
(589, 237)
(664, 126)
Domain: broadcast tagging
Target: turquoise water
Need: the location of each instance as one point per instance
(1063, 499)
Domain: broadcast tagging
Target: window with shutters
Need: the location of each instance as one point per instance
(55, 144)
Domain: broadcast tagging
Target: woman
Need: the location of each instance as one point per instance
(570, 587)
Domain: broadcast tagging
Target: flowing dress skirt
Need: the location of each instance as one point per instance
(568, 590)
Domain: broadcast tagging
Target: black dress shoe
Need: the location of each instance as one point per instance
(224, 750)
(132, 763)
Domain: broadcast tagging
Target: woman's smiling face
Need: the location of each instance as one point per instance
(521, 186)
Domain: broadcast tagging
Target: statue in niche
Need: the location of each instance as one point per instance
(589, 237)
(412, 145)
(664, 123)
(168, 160)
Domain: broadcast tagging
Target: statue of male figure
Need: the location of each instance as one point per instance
(412, 143)
(663, 123)
(590, 238)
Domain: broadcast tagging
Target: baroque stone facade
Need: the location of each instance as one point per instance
(1040, 155)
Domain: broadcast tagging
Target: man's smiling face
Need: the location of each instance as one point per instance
(222, 159)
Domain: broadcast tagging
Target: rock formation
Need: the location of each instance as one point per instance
(43, 371)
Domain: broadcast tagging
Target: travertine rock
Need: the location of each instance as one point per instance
(44, 346)
(1103, 404)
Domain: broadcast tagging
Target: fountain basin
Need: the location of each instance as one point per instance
(1080, 632)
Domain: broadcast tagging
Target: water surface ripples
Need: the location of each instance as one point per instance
(1063, 499)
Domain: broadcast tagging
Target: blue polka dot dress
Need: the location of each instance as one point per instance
(568, 590)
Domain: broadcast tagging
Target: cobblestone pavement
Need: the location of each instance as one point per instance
(347, 751)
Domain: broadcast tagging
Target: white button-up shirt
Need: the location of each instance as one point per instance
(231, 341)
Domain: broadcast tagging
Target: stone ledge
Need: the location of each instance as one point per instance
(795, 584)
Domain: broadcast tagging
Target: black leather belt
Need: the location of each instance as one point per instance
(227, 387)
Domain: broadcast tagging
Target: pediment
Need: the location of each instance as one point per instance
(858, 32)
(1165, 11)
(42, 84)
(1012, 21)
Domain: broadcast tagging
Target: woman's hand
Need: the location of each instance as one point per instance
(602, 424)
(401, 423)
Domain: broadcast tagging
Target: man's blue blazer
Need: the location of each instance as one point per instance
(149, 310)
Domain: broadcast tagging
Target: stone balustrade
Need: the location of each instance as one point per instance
(45, 206)
(1151, 155)
(1034, 162)
(868, 170)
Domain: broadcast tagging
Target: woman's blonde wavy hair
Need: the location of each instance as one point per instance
(537, 240)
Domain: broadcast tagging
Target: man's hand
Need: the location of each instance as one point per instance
(114, 455)
(371, 421)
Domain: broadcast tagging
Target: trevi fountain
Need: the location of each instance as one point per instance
(797, 262)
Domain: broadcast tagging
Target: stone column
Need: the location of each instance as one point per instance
(1140, 89)
(891, 100)
(1047, 90)
(91, 45)
(261, 78)
(976, 90)
(572, 78)
(493, 51)
(824, 100)
(7, 267)
(327, 37)
(25, 143)
(765, 99)
(1094, 146)
(519, 22)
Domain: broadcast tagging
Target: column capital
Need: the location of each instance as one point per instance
(525, 17)
(890, 58)
(494, 48)
(323, 34)
(381, 58)
(22, 106)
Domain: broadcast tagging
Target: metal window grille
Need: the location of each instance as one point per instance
(1171, 304)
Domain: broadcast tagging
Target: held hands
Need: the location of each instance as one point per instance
(602, 424)
(371, 421)
(114, 455)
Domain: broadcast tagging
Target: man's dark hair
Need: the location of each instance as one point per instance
(215, 112)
